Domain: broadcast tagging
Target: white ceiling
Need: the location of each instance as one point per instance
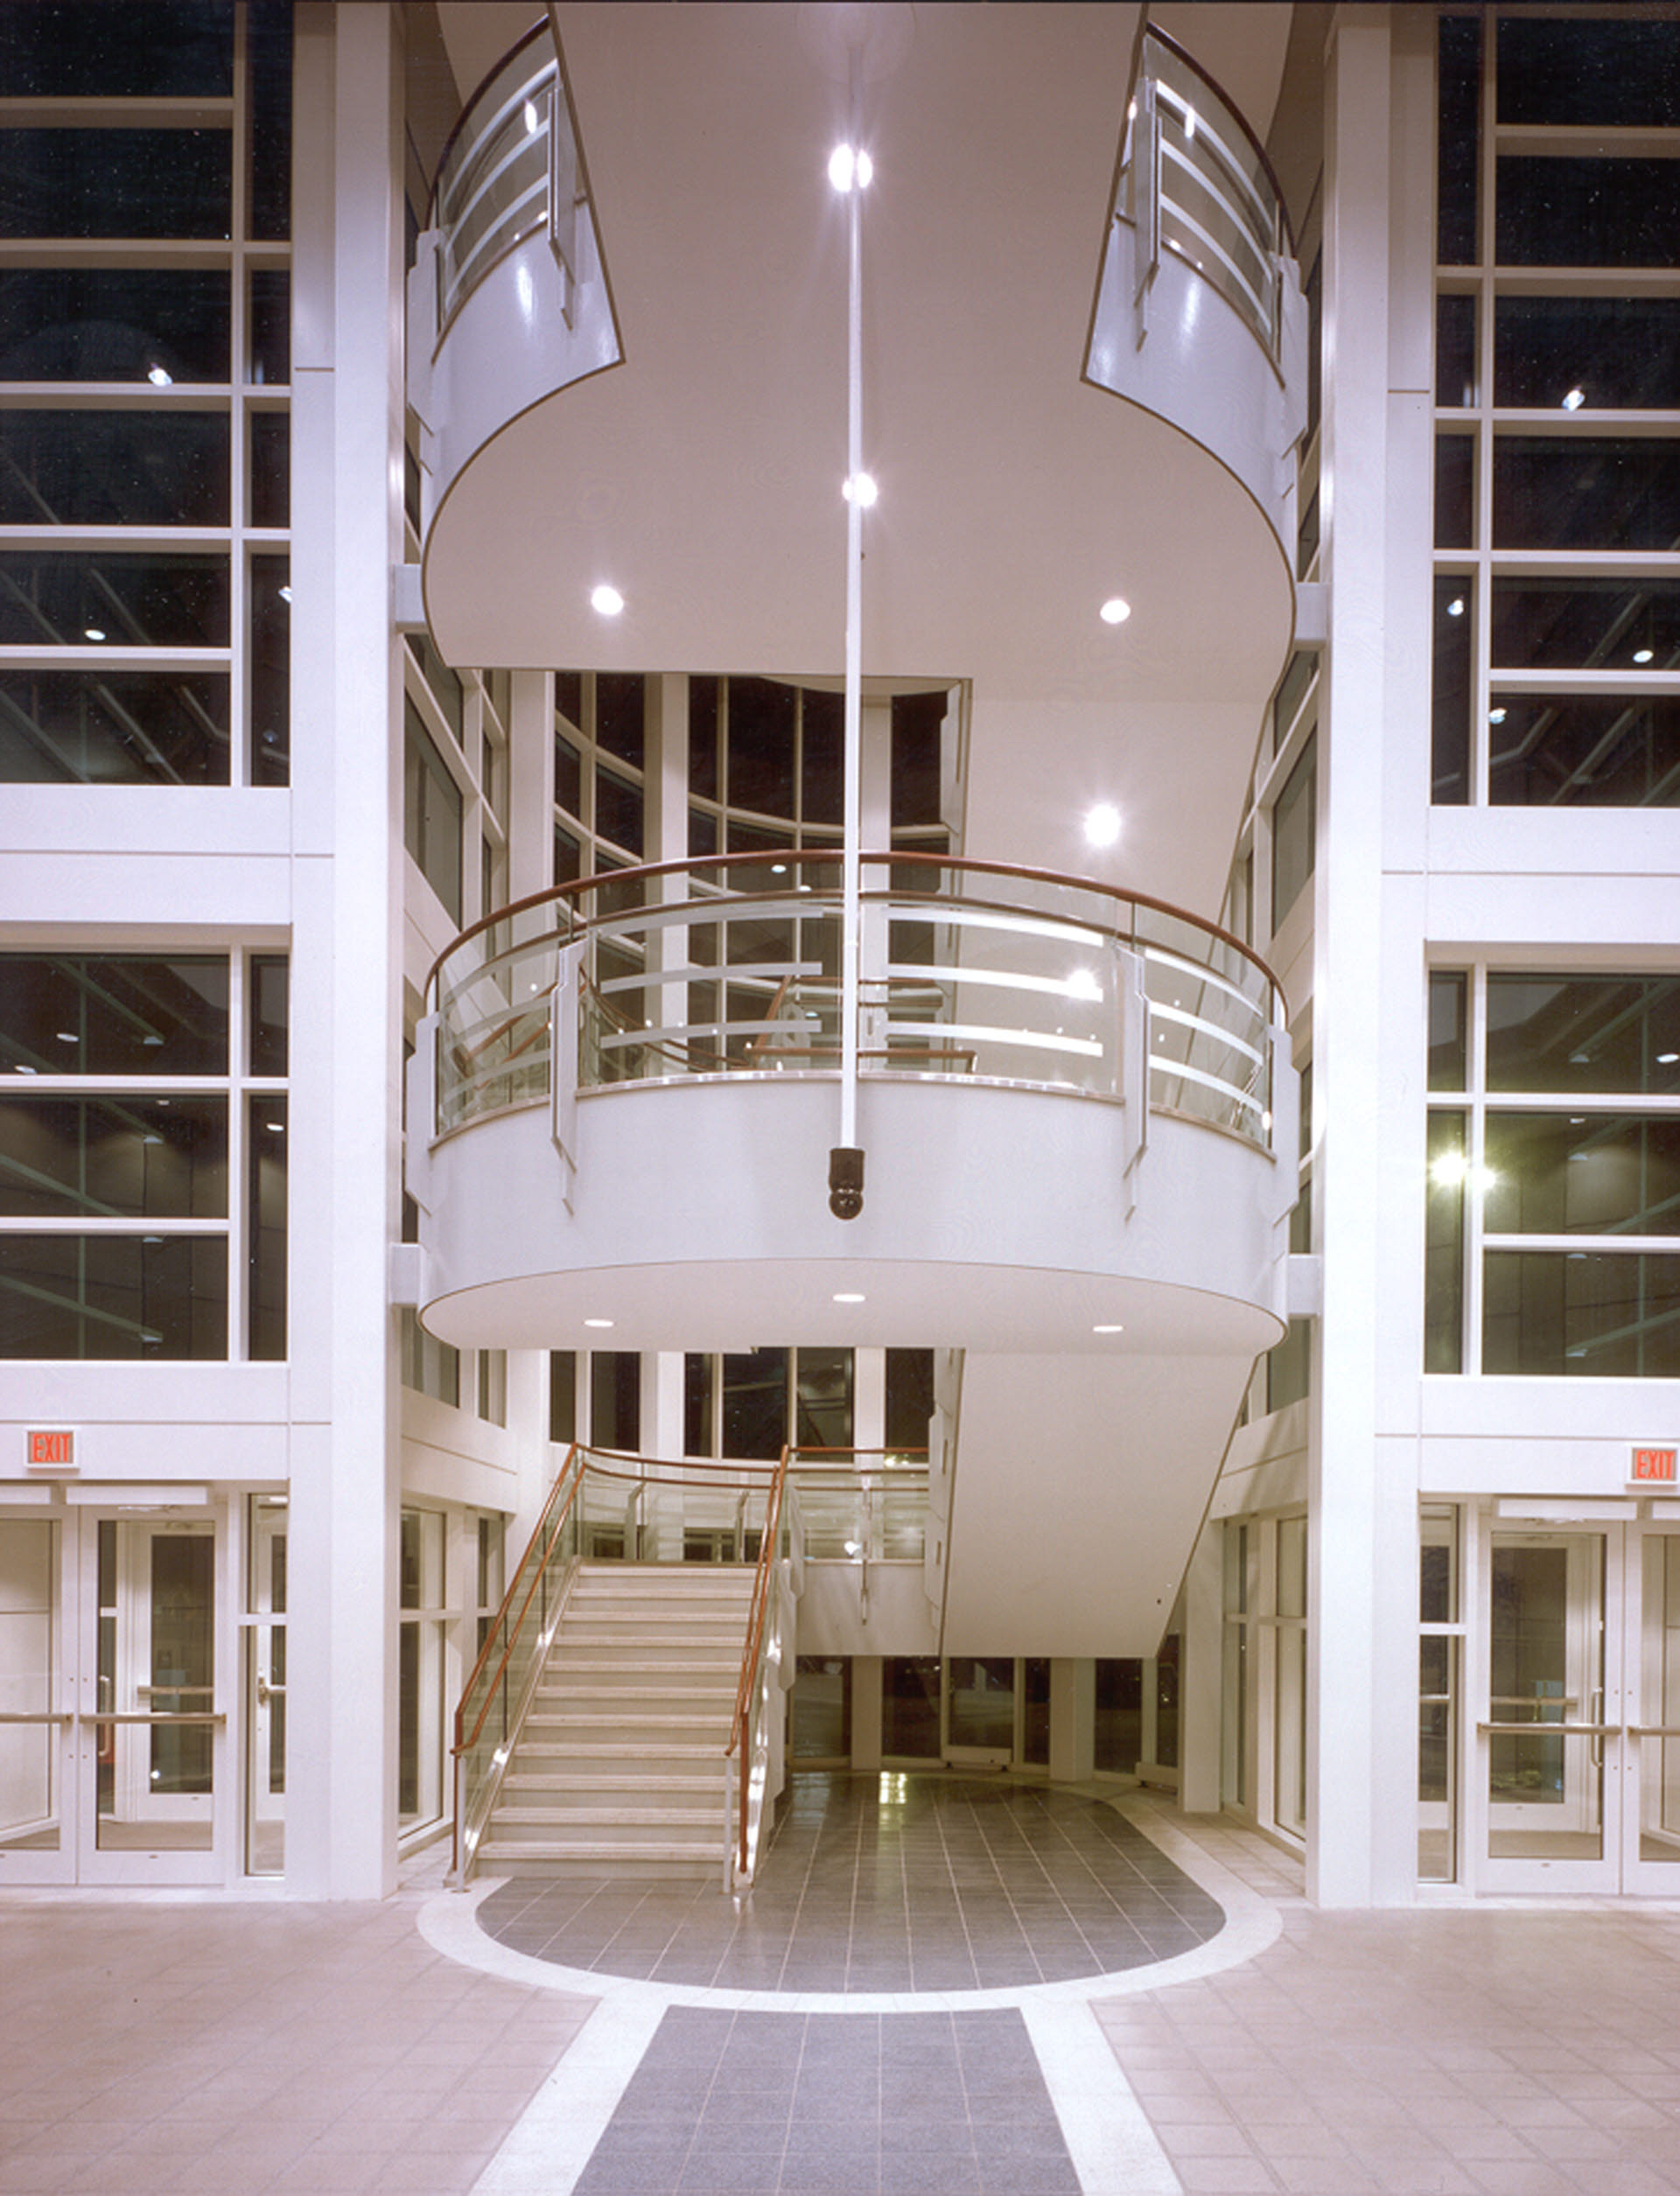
(703, 475)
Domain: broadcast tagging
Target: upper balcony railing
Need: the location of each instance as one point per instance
(729, 967)
(1196, 181)
(510, 170)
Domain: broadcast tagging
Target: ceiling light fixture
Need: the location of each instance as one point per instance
(849, 169)
(598, 1322)
(1455, 608)
(1496, 717)
(92, 632)
(1574, 400)
(1644, 655)
(848, 1296)
(861, 490)
(1102, 824)
(160, 377)
(1116, 1328)
(1116, 610)
(606, 600)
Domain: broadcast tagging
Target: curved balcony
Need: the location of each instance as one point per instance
(1074, 1102)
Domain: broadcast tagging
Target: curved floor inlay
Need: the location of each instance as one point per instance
(888, 1884)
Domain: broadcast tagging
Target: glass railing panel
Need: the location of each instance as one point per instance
(492, 186)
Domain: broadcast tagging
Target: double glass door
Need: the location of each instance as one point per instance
(1578, 1734)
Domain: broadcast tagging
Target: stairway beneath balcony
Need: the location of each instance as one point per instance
(618, 1769)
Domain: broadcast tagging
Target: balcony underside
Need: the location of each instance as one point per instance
(995, 1219)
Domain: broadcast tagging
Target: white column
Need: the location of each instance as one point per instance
(1201, 1674)
(1361, 1769)
(1073, 1719)
(346, 479)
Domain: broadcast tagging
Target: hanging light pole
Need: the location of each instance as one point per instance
(849, 169)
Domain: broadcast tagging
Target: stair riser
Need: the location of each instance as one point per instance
(699, 1837)
(623, 1868)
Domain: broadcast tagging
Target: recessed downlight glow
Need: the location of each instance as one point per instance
(1102, 824)
(861, 490)
(1455, 608)
(160, 377)
(1113, 1328)
(1667, 1059)
(598, 1322)
(92, 632)
(1496, 717)
(1116, 610)
(848, 1296)
(1644, 655)
(1082, 984)
(605, 600)
(531, 118)
(849, 168)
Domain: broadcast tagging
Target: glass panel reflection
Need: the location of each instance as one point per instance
(1546, 1793)
(30, 1820)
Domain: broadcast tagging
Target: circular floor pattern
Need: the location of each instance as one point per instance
(886, 1883)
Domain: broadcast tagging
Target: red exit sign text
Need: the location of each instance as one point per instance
(1655, 1463)
(51, 1448)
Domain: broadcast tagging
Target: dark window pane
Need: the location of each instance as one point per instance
(270, 469)
(619, 707)
(1455, 474)
(67, 1158)
(1292, 692)
(113, 324)
(1616, 351)
(114, 1297)
(271, 335)
(1288, 1367)
(1583, 1033)
(113, 1014)
(563, 1396)
(111, 49)
(1447, 1057)
(1569, 213)
(270, 670)
(113, 728)
(909, 1397)
(1585, 752)
(266, 1226)
(1294, 830)
(432, 814)
(755, 1405)
(1586, 625)
(702, 833)
(823, 758)
(761, 746)
(126, 182)
(139, 468)
(568, 776)
(702, 738)
(441, 682)
(1564, 1313)
(698, 1439)
(822, 1398)
(1455, 351)
(268, 40)
(568, 857)
(1583, 1174)
(270, 1013)
(1460, 138)
(1307, 538)
(910, 1706)
(568, 697)
(618, 811)
(1449, 702)
(1443, 1245)
(65, 598)
(615, 1399)
(918, 720)
(1555, 492)
(1589, 73)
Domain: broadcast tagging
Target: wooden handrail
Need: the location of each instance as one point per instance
(760, 1603)
(1162, 37)
(566, 897)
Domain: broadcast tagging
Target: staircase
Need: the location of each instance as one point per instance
(618, 1769)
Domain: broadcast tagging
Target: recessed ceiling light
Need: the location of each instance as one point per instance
(275, 1128)
(92, 632)
(847, 167)
(860, 489)
(848, 1296)
(1102, 824)
(67, 1037)
(1116, 1328)
(1116, 610)
(1667, 1059)
(606, 600)
(286, 593)
(598, 1322)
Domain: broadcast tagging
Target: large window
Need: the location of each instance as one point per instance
(1558, 414)
(143, 1156)
(144, 505)
(1553, 1230)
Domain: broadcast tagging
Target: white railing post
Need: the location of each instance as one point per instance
(564, 1020)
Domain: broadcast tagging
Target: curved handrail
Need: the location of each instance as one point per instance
(765, 857)
(479, 92)
(1179, 54)
(752, 1652)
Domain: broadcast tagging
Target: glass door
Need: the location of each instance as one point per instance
(265, 1703)
(33, 1720)
(1651, 1836)
(150, 1736)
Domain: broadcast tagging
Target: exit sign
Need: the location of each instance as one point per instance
(50, 1448)
(1653, 1466)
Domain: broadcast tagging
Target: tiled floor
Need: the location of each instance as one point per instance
(894, 1882)
(166, 2044)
